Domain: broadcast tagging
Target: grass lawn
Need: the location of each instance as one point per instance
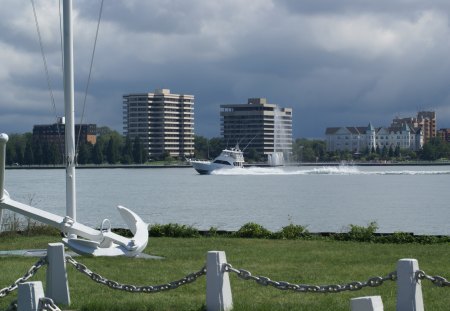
(314, 262)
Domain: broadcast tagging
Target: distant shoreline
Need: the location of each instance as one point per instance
(150, 166)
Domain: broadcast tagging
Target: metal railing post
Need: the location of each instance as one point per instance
(409, 288)
(3, 141)
(57, 285)
(29, 295)
(368, 303)
(218, 289)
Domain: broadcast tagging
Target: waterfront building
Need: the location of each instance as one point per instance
(358, 139)
(258, 125)
(55, 133)
(164, 122)
(426, 120)
(444, 134)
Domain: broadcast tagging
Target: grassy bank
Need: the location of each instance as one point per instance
(314, 262)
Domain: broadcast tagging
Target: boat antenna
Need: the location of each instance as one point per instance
(249, 143)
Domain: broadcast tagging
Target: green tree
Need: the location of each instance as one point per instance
(391, 152)
(216, 146)
(85, 153)
(15, 149)
(112, 151)
(10, 154)
(53, 154)
(97, 153)
(29, 155)
(111, 143)
(201, 147)
(435, 149)
(127, 152)
(384, 153)
(38, 153)
(397, 151)
(138, 151)
(305, 150)
(252, 155)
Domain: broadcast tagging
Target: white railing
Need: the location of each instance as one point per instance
(31, 296)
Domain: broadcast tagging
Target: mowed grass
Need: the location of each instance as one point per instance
(315, 262)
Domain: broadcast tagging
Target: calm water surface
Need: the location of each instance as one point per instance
(412, 199)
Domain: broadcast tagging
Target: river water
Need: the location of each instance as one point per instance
(325, 199)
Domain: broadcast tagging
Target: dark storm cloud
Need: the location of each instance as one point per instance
(164, 17)
(334, 62)
(399, 8)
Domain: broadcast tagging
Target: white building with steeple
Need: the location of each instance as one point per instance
(358, 139)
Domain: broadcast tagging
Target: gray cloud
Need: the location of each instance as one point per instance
(347, 62)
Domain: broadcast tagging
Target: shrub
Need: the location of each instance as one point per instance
(253, 230)
(401, 237)
(361, 233)
(291, 232)
(173, 230)
(212, 231)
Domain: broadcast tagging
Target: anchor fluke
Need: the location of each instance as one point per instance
(108, 243)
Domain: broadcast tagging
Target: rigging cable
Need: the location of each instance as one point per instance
(47, 75)
(89, 78)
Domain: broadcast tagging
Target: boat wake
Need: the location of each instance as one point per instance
(326, 170)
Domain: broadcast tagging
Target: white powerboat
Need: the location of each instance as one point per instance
(228, 159)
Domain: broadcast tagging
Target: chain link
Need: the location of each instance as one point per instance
(436, 280)
(133, 288)
(47, 304)
(32, 271)
(305, 288)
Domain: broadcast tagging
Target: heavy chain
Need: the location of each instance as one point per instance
(47, 304)
(304, 288)
(436, 280)
(34, 268)
(133, 288)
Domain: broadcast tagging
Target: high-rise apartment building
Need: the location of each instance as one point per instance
(264, 127)
(164, 122)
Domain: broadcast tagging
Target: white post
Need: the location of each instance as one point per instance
(29, 295)
(218, 289)
(368, 303)
(3, 141)
(57, 284)
(409, 288)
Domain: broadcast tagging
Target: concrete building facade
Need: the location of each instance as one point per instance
(258, 125)
(55, 133)
(164, 122)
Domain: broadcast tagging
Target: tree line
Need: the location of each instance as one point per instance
(110, 148)
(305, 150)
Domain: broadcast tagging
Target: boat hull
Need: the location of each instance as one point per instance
(206, 167)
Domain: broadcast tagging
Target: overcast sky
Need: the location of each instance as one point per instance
(336, 63)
